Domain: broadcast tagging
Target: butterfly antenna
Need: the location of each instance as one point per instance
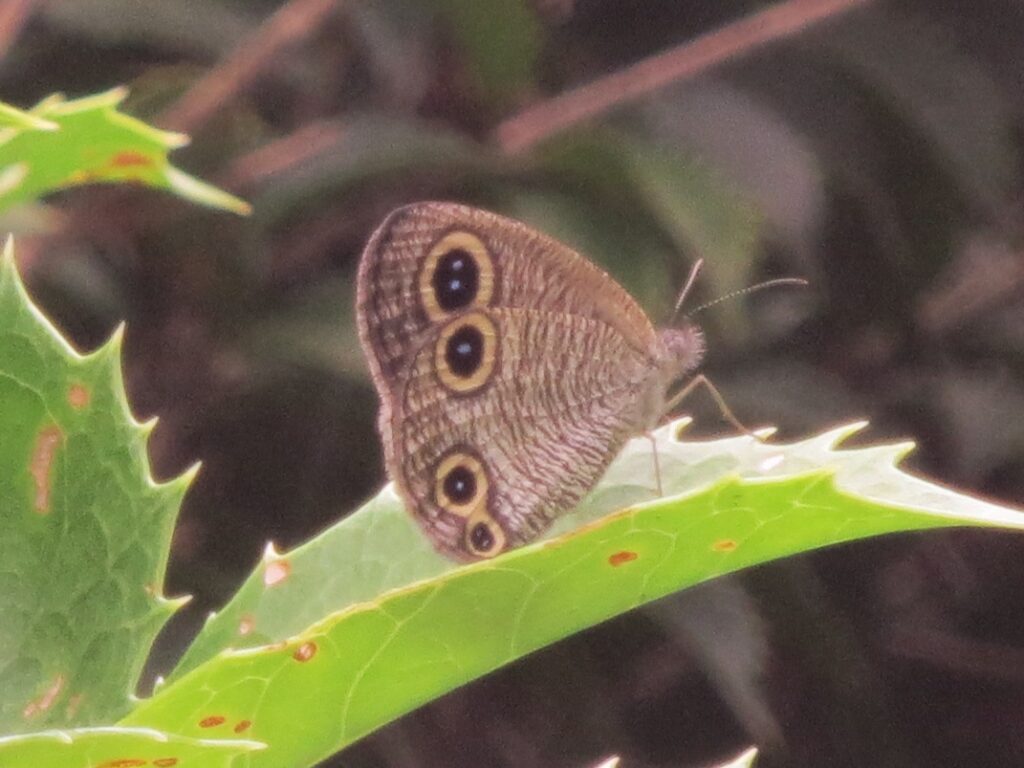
(749, 289)
(686, 289)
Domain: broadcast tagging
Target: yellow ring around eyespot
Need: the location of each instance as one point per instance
(470, 462)
(488, 357)
(482, 516)
(471, 244)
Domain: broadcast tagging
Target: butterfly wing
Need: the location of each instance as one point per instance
(510, 369)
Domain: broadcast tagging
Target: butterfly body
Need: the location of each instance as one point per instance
(510, 369)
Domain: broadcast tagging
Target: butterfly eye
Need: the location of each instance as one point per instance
(457, 274)
(460, 483)
(460, 488)
(466, 352)
(456, 280)
(484, 539)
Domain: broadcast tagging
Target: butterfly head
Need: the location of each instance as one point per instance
(681, 351)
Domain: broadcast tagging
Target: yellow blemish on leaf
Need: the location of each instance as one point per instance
(619, 558)
(78, 396)
(45, 699)
(305, 652)
(246, 624)
(276, 572)
(41, 465)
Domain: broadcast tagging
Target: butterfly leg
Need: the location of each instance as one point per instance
(657, 464)
(702, 380)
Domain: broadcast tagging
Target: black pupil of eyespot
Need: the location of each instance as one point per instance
(481, 537)
(456, 280)
(464, 351)
(460, 484)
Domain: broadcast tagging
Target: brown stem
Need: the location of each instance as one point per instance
(291, 24)
(542, 120)
(281, 154)
(13, 15)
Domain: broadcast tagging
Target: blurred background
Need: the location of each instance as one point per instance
(874, 148)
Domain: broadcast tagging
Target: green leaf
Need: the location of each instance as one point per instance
(413, 626)
(84, 529)
(10, 117)
(744, 760)
(95, 143)
(117, 748)
(502, 40)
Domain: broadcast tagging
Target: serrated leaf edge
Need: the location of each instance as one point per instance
(110, 353)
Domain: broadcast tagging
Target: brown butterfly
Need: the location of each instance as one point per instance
(510, 370)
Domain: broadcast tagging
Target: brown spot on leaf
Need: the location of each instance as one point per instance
(78, 396)
(42, 463)
(124, 762)
(276, 572)
(246, 624)
(45, 699)
(724, 545)
(165, 762)
(211, 722)
(242, 726)
(130, 159)
(619, 558)
(305, 652)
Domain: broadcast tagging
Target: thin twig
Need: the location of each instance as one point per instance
(13, 15)
(540, 121)
(281, 154)
(291, 24)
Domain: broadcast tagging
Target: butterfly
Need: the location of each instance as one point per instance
(510, 370)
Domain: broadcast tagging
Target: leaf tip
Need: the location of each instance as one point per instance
(191, 188)
(834, 439)
(115, 95)
(186, 478)
(174, 604)
(270, 552)
(175, 139)
(900, 451)
(743, 760)
(116, 339)
(676, 428)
